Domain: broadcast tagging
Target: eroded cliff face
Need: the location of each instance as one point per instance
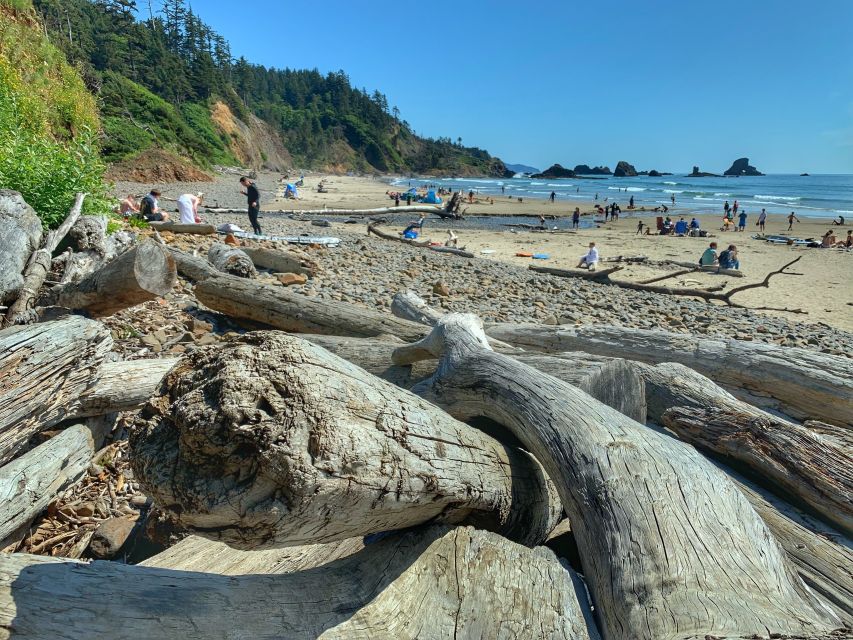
(255, 144)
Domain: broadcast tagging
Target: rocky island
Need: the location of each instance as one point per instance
(741, 167)
(624, 170)
(586, 170)
(555, 171)
(702, 174)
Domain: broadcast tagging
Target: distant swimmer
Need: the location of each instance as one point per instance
(672, 197)
(791, 217)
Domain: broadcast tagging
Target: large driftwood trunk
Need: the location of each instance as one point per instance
(192, 267)
(44, 368)
(177, 227)
(279, 261)
(424, 585)
(20, 235)
(282, 309)
(29, 483)
(812, 467)
(669, 546)
(806, 384)
(273, 441)
(231, 260)
(143, 273)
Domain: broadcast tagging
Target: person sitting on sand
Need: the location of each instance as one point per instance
(576, 218)
(128, 206)
(728, 258)
(681, 227)
(848, 243)
(839, 222)
(590, 259)
(791, 217)
(762, 219)
(666, 228)
(741, 221)
(188, 207)
(409, 232)
(639, 228)
(150, 208)
(828, 241)
(709, 257)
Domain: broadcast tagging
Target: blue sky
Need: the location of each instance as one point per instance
(664, 85)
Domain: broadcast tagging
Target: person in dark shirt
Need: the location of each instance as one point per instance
(254, 202)
(150, 209)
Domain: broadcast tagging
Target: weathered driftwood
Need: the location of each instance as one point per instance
(29, 483)
(177, 227)
(231, 260)
(584, 274)
(279, 261)
(20, 235)
(141, 274)
(805, 383)
(669, 546)
(426, 585)
(373, 228)
(814, 468)
(283, 309)
(78, 265)
(44, 368)
(192, 267)
(21, 311)
(342, 212)
(89, 233)
(273, 441)
(121, 386)
(409, 306)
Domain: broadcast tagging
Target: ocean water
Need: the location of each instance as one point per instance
(815, 196)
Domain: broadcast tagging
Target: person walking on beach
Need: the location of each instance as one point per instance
(741, 221)
(553, 196)
(503, 189)
(762, 218)
(631, 202)
(734, 208)
(791, 217)
(397, 199)
(726, 208)
(639, 228)
(576, 218)
(253, 199)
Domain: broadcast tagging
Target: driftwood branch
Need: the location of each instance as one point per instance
(373, 228)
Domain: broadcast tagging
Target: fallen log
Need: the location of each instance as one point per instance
(31, 482)
(22, 311)
(273, 441)
(655, 522)
(192, 267)
(805, 383)
(373, 228)
(231, 260)
(44, 368)
(430, 584)
(279, 261)
(283, 309)
(584, 274)
(78, 265)
(176, 227)
(141, 274)
(342, 212)
(89, 233)
(20, 235)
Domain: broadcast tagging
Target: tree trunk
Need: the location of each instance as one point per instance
(282, 309)
(144, 273)
(20, 235)
(121, 386)
(806, 383)
(31, 482)
(669, 546)
(81, 264)
(279, 261)
(341, 212)
(426, 585)
(44, 368)
(177, 227)
(231, 260)
(273, 441)
(584, 274)
(192, 267)
(89, 233)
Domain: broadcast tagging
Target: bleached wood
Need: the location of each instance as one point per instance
(193, 267)
(43, 368)
(289, 311)
(425, 585)
(20, 235)
(279, 261)
(273, 441)
(669, 546)
(144, 273)
(410, 306)
(176, 227)
(231, 260)
(805, 383)
(31, 482)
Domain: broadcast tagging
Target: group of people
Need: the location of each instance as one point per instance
(829, 241)
(727, 259)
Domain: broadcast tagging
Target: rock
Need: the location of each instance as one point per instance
(110, 536)
(702, 174)
(20, 235)
(288, 279)
(85, 510)
(555, 171)
(441, 289)
(624, 170)
(586, 170)
(89, 234)
(654, 174)
(230, 239)
(199, 327)
(741, 167)
(150, 341)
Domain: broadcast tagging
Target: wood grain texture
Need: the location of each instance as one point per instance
(669, 546)
(231, 260)
(20, 235)
(279, 261)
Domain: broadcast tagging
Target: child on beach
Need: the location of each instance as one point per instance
(128, 206)
(590, 259)
(791, 217)
(576, 217)
(639, 228)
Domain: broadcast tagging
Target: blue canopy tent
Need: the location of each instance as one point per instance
(432, 198)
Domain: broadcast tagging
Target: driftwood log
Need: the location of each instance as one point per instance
(141, 274)
(176, 227)
(192, 267)
(20, 235)
(38, 266)
(78, 265)
(804, 383)
(342, 212)
(279, 261)
(231, 260)
(283, 309)
(44, 368)
(373, 228)
(273, 441)
(669, 546)
(427, 585)
(584, 274)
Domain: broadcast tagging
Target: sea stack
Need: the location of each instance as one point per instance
(586, 170)
(741, 167)
(624, 170)
(555, 171)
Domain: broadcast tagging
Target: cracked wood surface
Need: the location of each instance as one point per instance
(435, 583)
(273, 441)
(229, 259)
(669, 546)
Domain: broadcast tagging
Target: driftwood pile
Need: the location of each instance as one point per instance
(353, 474)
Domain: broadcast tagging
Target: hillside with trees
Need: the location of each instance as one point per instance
(165, 79)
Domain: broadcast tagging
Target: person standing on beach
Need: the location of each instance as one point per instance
(741, 221)
(791, 217)
(631, 203)
(734, 208)
(726, 208)
(253, 198)
(672, 197)
(553, 196)
(576, 218)
(762, 218)
(639, 228)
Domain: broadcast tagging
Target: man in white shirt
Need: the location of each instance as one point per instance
(590, 259)
(188, 207)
